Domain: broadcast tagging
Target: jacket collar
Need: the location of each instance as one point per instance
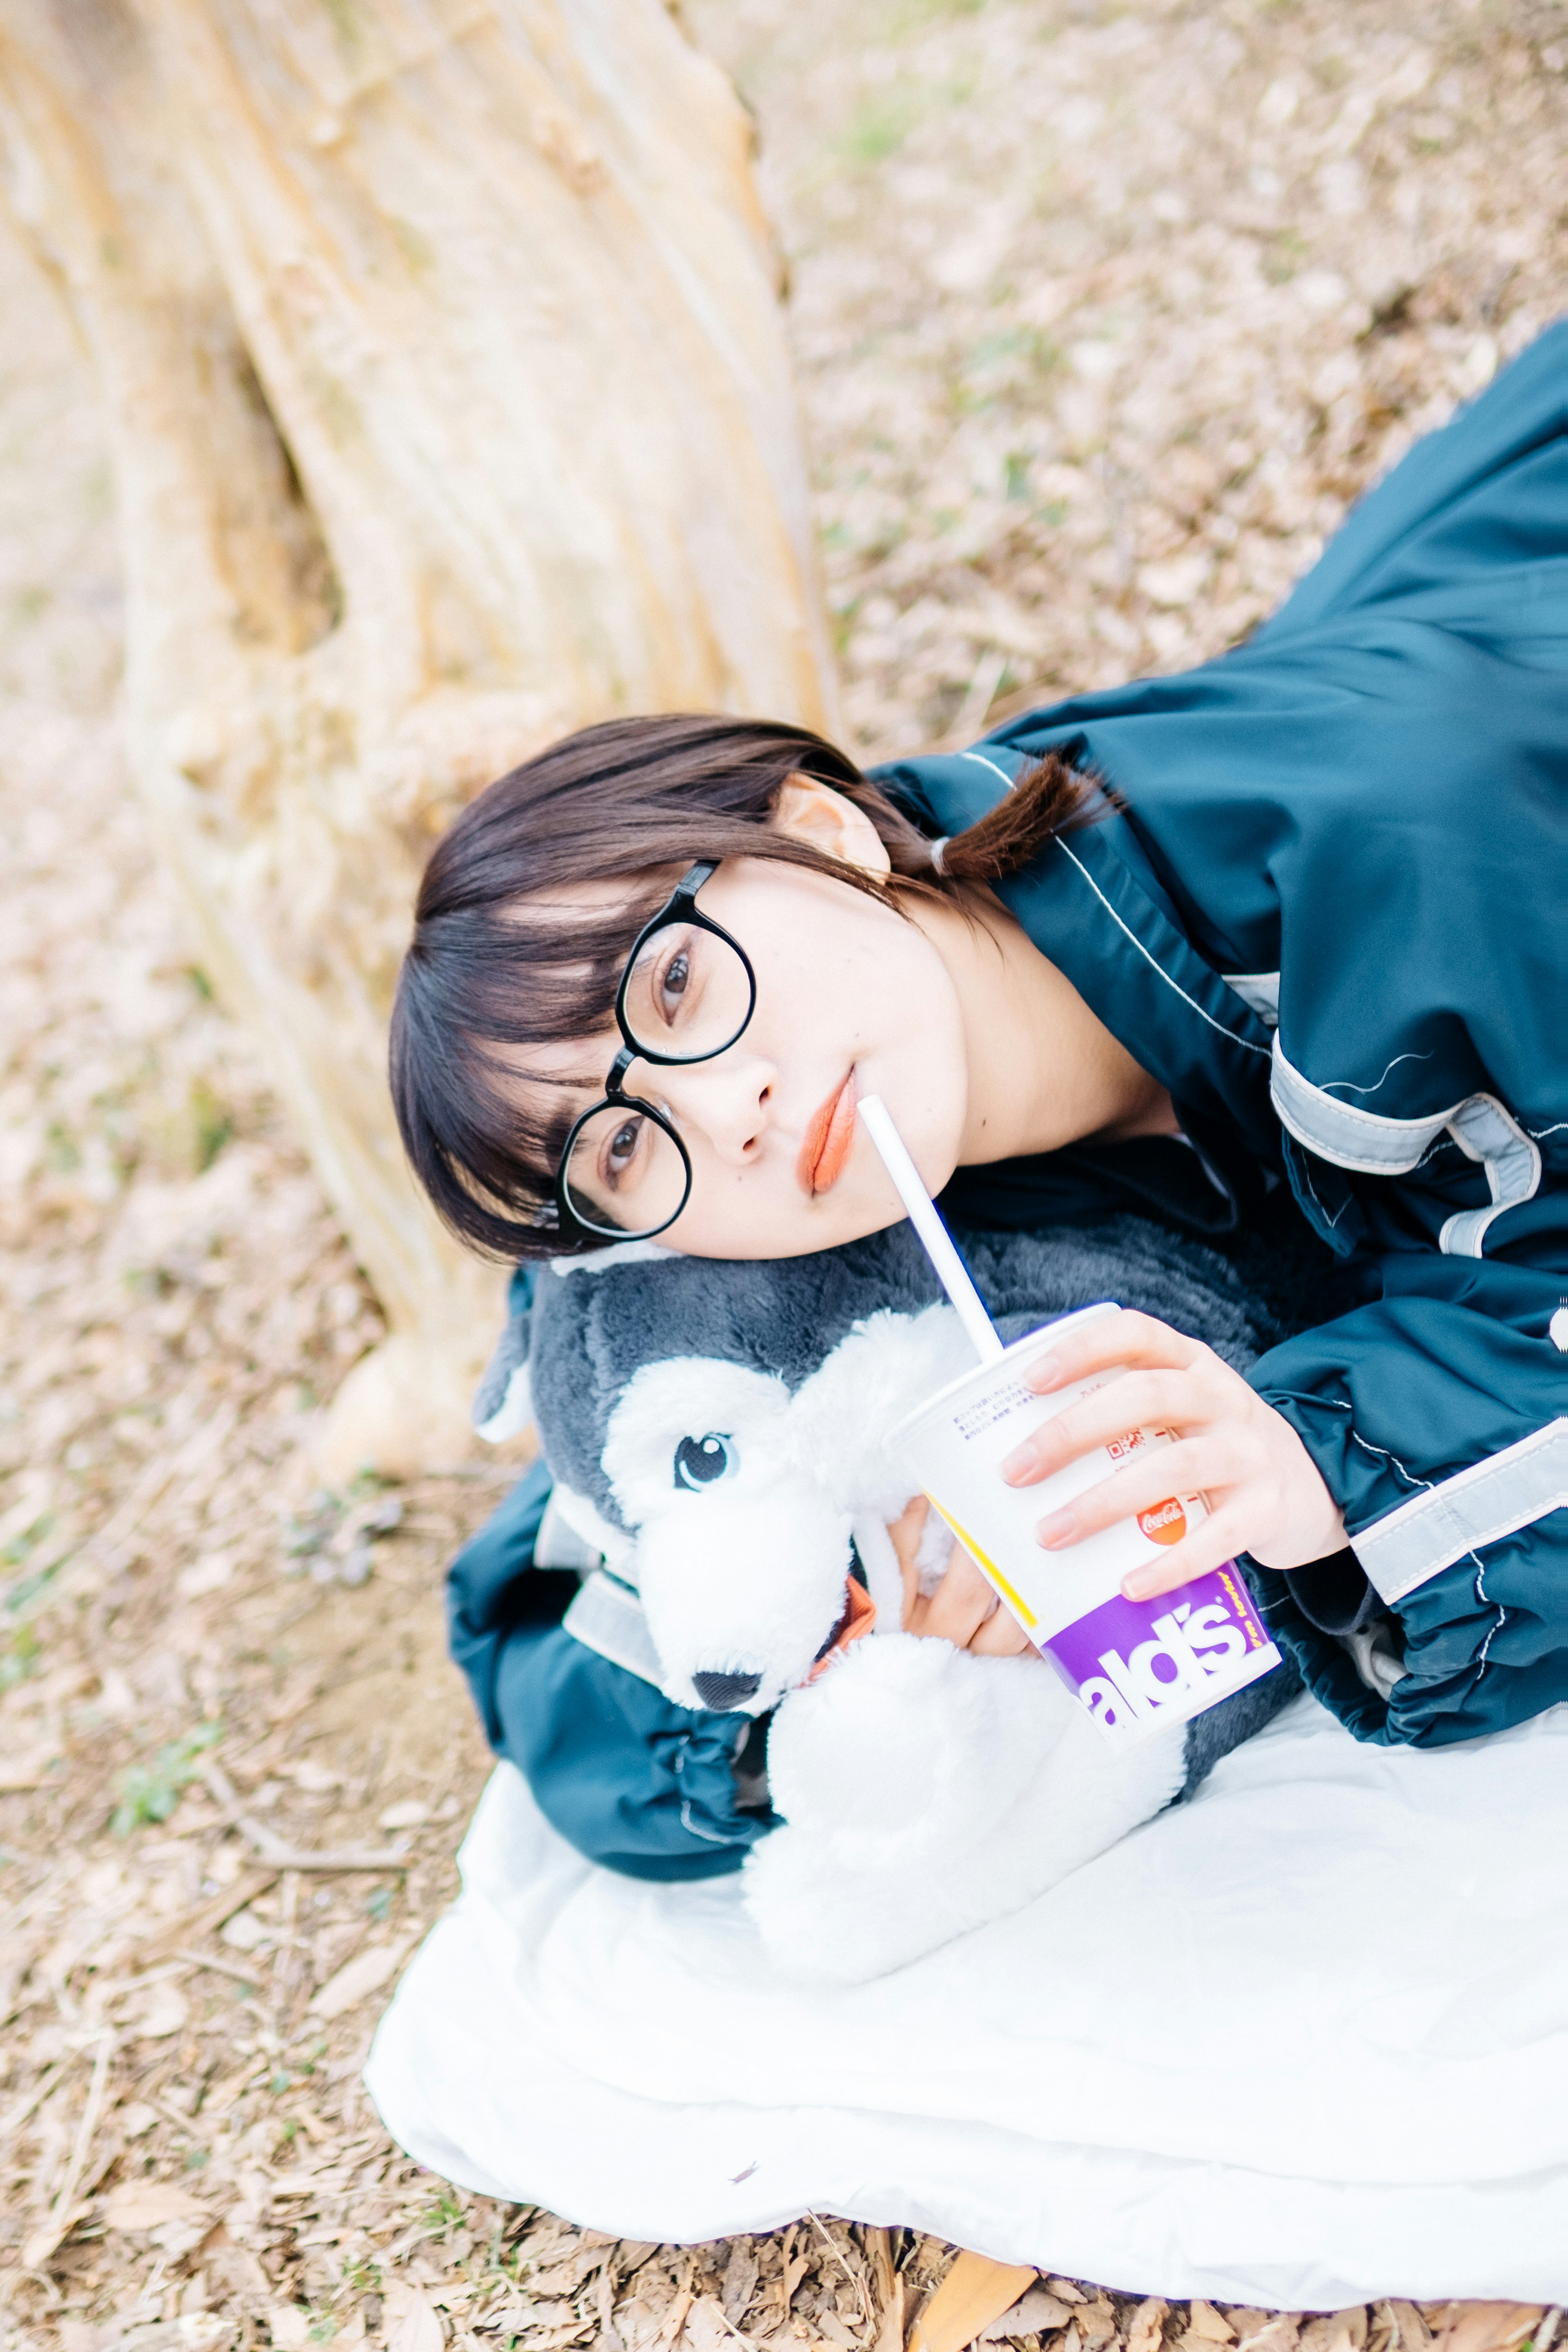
(1084, 904)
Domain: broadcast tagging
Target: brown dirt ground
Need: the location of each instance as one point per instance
(1103, 314)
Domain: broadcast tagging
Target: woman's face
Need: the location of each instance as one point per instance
(852, 1000)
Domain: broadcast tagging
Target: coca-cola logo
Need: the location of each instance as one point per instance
(1165, 1523)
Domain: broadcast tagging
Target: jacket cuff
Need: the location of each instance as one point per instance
(1361, 1479)
(1334, 1594)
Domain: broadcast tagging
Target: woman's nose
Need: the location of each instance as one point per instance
(728, 1101)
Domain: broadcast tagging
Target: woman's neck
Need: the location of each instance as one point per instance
(1043, 1069)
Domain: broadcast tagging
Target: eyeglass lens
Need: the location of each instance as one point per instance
(687, 996)
(625, 1174)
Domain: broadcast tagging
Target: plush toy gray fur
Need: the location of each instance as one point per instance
(716, 1430)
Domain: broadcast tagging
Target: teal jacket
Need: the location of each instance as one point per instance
(1328, 913)
(1331, 916)
(631, 1779)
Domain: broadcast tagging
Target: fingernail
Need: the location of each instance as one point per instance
(1138, 1586)
(1057, 1530)
(1016, 1464)
(1044, 1374)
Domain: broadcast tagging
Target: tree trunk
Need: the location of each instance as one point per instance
(450, 408)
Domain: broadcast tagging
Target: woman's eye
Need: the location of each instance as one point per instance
(674, 986)
(621, 1150)
(700, 1460)
(678, 973)
(669, 984)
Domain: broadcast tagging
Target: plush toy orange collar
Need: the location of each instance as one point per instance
(860, 1616)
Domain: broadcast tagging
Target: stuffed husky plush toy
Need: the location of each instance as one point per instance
(717, 1433)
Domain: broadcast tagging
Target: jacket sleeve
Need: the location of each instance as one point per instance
(1437, 1416)
(629, 1779)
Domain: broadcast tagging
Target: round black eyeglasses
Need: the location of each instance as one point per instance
(686, 994)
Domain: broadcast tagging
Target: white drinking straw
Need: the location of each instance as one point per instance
(952, 1272)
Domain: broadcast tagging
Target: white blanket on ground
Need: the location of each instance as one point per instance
(1300, 2042)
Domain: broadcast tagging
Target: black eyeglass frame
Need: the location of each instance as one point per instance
(681, 907)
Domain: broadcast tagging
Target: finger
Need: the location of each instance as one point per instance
(906, 1529)
(1126, 1338)
(914, 1614)
(1198, 1465)
(1112, 1417)
(961, 1603)
(1209, 1547)
(1002, 1636)
(905, 1533)
(957, 1617)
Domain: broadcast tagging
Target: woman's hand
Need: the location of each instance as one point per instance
(1264, 1492)
(963, 1610)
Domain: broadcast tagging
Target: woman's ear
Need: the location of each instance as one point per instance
(829, 821)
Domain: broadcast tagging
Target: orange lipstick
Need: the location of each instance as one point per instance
(829, 1139)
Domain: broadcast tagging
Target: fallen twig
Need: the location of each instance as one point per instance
(711, 2302)
(219, 1968)
(182, 1933)
(856, 2282)
(63, 2212)
(277, 1852)
(149, 1489)
(31, 2099)
(285, 1958)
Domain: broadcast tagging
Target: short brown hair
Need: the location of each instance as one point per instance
(639, 800)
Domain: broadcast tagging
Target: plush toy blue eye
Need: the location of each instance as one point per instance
(699, 1460)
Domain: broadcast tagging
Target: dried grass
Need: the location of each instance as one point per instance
(1103, 315)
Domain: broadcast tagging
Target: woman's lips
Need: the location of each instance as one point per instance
(830, 1139)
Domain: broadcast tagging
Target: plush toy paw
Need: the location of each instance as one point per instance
(902, 1736)
(926, 1790)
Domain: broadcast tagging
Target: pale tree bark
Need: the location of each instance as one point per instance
(450, 408)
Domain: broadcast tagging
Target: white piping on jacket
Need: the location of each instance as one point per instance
(981, 761)
(1154, 961)
(1375, 1145)
(1418, 1539)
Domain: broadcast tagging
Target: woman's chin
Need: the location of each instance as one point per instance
(819, 1221)
(785, 1220)
(931, 1131)
(860, 1212)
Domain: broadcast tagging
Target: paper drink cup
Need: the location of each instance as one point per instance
(1135, 1666)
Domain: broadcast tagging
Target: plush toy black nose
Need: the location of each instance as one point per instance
(722, 1692)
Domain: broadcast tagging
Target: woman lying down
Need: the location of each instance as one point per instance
(1278, 940)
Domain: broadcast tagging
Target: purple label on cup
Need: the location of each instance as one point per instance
(1130, 1662)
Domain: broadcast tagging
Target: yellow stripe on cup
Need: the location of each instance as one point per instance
(1015, 1599)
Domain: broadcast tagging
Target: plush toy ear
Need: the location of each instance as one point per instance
(502, 1405)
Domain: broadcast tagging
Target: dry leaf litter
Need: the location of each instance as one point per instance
(1102, 316)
